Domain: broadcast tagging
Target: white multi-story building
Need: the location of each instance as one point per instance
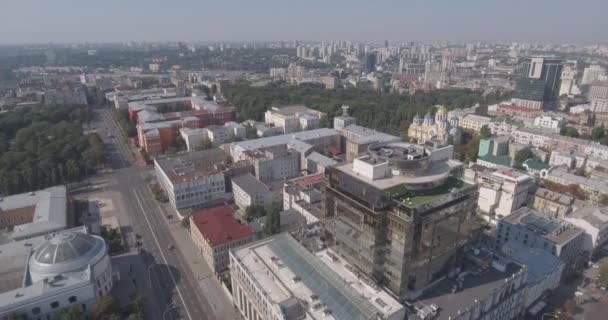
(594, 221)
(279, 279)
(277, 163)
(294, 118)
(502, 192)
(569, 159)
(249, 191)
(592, 73)
(474, 122)
(548, 122)
(530, 136)
(197, 179)
(598, 95)
(46, 274)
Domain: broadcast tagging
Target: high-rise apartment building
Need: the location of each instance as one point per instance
(398, 215)
(539, 84)
(592, 73)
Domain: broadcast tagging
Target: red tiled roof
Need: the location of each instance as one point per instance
(218, 225)
(309, 180)
(333, 150)
(517, 108)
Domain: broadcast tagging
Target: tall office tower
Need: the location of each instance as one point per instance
(386, 43)
(398, 215)
(370, 62)
(539, 84)
(568, 82)
(592, 73)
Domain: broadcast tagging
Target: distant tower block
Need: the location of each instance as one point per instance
(345, 110)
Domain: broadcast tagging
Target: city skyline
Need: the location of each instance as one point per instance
(61, 21)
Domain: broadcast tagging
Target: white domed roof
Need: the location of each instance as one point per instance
(66, 251)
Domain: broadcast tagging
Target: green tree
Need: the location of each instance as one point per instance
(485, 132)
(598, 133)
(251, 132)
(569, 131)
(521, 156)
(179, 144)
(185, 223)
(73, 312)
(15, 316)
(253, 212)
(136, 307)
(106, 307)
(273, 219)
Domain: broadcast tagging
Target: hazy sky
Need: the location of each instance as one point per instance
(26, 21)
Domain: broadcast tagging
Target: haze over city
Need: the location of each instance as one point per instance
(31, 21)
(290, 160)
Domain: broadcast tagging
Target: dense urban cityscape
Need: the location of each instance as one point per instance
(293, 179)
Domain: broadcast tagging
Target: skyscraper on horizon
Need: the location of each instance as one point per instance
(539, 84)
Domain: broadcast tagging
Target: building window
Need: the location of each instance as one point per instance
(55, 305)
(72, 299)
(36, 310)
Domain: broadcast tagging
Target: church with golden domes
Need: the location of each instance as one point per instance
(439, 128)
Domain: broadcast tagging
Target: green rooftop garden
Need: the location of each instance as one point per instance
(415, 198)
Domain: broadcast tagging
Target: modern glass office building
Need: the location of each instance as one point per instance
(398, 215)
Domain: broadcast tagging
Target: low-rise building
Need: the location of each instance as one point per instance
(278, 279)
(474, 122)
(249, 191)
(215, 232)
(548, 122)
(570, 159)
(488, 289)
(594, 221)
(536, 168)
(538, 230)
(594, 189)
(303, 195)
(554, 203)
(544, 269)
(316, 163)
(35, 213)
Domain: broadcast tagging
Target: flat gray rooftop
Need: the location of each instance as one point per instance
(474, 287)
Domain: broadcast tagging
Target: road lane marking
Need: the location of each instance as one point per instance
(163, 256)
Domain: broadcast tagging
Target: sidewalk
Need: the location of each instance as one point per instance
(210, 286)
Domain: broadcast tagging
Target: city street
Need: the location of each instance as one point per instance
(169, 276)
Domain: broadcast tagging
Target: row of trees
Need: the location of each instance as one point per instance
(45, 146)
(121, 116)
(388, 112)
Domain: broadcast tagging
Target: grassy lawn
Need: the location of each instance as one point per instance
(414, 198)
